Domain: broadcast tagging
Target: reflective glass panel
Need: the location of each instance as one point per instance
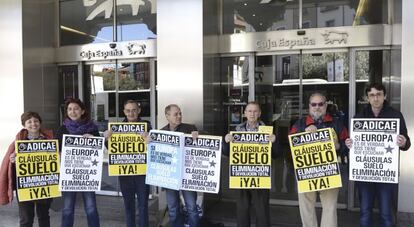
(277, 92)
(241, 16)
(133, 76)
(335, 13)
(85, 21)
(259, 15)
(136, 20)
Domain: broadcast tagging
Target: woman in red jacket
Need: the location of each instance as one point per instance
(31, 122)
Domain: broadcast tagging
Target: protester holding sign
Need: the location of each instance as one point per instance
(258, 197)
(31, 122)
(174, 118)
(77, 122)
(135, 184)
(319, 119)
(379, 108)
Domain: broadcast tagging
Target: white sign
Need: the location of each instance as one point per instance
(202, 159)
(164, 163)
(374, 155)
(81, 163)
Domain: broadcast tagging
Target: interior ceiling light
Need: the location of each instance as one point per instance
(81, 33)
(265, 1)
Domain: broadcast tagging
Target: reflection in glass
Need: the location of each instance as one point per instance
(103, 77)
(277, 91)
(329, 67)
(234, 94)
(273, 15)
(138, 21)
(371, 66)
(335, 13)
(92, 21)
(133, 76)
(257, 15)
(235, 89)
(83, 22)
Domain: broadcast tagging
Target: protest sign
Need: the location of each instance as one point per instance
(250, 160)
(164, 167)
(37, 169)
(127, 149)
(81, 163)
(202, 159)
(374, 155)
(266, 129)
(315, 160)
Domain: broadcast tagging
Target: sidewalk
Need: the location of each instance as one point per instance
(111, 214)
(110, 208)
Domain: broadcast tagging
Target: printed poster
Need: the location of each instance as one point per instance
(202, 163)
(250, 160)
(81, 163)
(127, 149)
(374, 155)
(315, 160)
(165, 164)
(37, 169)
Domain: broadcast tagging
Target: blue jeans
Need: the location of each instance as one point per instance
(368, 191)
(131, 186)
(174, 208)
(89, 203)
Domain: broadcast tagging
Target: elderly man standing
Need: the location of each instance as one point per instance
(134, 185)
(258, 198)
(379, 108)
(174, 118)
(319, 119)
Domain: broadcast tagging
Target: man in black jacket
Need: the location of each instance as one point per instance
(258, 198)
(379, 108)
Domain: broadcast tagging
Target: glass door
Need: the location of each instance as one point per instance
(283, 84)
(108, 85)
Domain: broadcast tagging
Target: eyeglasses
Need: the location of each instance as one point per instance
(314, 104)
(131, 111)
(373, 95)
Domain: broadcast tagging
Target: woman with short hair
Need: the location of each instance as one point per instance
(31, 122)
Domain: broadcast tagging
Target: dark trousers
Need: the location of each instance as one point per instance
(131, 186)
(27, 209)
(384, 192)
(259, 199)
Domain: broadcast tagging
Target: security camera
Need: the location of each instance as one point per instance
(112, 45)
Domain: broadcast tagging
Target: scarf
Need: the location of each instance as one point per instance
(80, 127)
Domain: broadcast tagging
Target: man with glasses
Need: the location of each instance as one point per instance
(319, 119)
(379, 108)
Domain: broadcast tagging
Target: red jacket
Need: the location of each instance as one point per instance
(6, 171)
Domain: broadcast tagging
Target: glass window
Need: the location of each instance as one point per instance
(259, 15)
(85, 21)
(136, 22)
(241, 16)
(133, 76)
(335, 13)
(92, 21)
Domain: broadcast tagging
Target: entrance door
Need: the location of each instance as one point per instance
(283, 84)
(107, 86)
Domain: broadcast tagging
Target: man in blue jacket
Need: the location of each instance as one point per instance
(379, 108)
